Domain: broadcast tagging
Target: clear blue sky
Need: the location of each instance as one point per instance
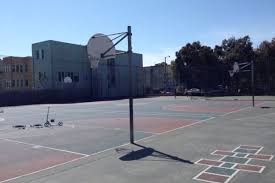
(160, 27)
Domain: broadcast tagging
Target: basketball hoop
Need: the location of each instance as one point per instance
(68, 80)
(97, 45)
(231, 73)
(236, 67)
(94, 61)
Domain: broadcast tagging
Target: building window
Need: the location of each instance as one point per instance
(37, 54)
(13, 83)
(111, 73)
(21, 68)
(26, 67)
(17, 68)
(26, 83)
(13, 68)
(76, 77)
(8, 84)
(59, 77)
(17, 83)
(42, 54)
(21, 83)
(39, 76)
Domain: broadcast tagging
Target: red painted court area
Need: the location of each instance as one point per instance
(146, 124)
(20, 159)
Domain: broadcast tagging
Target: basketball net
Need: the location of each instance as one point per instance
(235, 69)
(231, 73)
(94, 62)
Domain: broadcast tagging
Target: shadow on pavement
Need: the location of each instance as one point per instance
(147, 151)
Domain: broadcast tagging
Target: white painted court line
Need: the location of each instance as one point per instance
(106, 128)
(238, 110)
(253, 117)
(256, 146)
(55, 149)
(259, 150)
(136, 104)
(198, 122)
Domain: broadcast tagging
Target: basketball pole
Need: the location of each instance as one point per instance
(123, 35)
(129, 32)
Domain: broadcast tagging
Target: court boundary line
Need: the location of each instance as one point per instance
(41, 146)
(170, 113)
(252, 117)
(143, 139)
(106, 128)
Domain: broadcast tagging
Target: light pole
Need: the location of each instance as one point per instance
(252, 83)
(165, 73)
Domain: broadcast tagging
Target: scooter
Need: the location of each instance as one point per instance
(52, 121)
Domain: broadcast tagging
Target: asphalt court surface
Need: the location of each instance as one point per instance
(93, 127)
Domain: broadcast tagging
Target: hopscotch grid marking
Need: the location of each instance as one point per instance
(204, 171)
(262, 168)
(197, 162)
(270, 159)
(213, 153)
(231, 177)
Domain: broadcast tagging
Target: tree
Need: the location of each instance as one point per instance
(235, 50)
(265, 62)
(197, 66)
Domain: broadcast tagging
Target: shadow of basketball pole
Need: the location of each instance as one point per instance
(147, 151)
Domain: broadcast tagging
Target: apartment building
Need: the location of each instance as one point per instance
(16, 73)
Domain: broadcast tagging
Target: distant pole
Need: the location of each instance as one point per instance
(165, 82)
(252, 83)
(165, 74)
(48, 114)
(130, 85)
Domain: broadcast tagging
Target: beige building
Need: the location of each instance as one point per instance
(16, 73)
(158, 78)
